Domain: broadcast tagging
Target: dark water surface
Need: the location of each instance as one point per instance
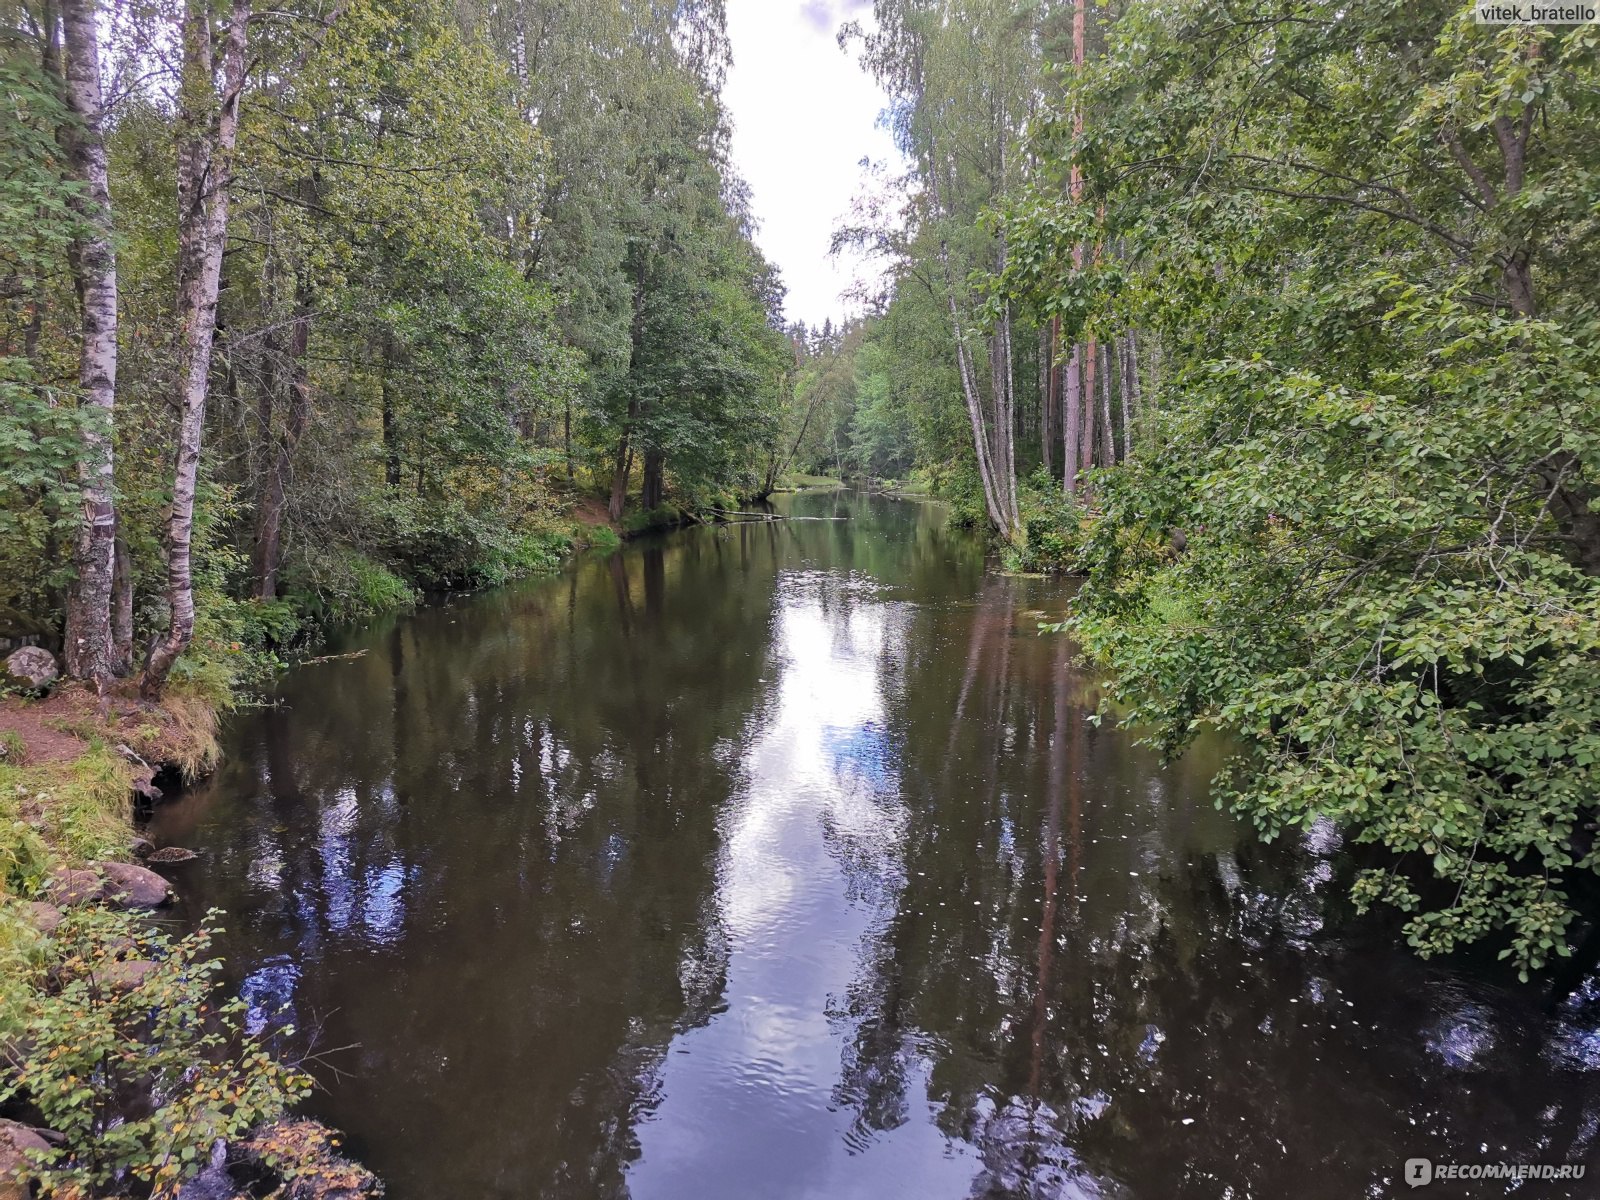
(781, 861)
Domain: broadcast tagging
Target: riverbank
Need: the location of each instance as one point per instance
(122, 1072)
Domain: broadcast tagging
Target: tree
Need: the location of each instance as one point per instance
(208, 120)
(1360, 246)
(91, 651)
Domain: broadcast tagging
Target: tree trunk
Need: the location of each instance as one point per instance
(653, 487)
(1130, 392)
(1072, 422)
(122, 609)
(391, 438)
(209, 126)
(999, 517)
(619, 478)
(269, 513)
(566, 435)
(1091, 355)
(1044, 398)
(1108, 442)
(89, 648)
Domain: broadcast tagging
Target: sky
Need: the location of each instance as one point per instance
(804, 115)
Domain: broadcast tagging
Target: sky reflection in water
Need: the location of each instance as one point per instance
(781, 861)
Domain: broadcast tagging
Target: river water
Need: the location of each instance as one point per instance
(781, 860)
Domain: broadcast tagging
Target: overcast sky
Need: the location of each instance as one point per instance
(804, 116)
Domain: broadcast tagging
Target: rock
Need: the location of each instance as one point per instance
(123, 976)
(141, 847)
(213, 1183)
(46, 918)
(304, 1156)
(17, 1142)
(67, 888)
(128, 886)
(33, 668)
(171, 854)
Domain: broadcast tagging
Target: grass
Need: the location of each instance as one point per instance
(53, 814)
(65, 812)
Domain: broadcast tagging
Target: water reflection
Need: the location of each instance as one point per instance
(782, 861)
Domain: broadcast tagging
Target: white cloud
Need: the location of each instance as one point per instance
(804, 115)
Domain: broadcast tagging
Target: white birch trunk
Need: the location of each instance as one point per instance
(90, 650)
(210, 130)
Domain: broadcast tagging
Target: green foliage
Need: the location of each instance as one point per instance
(601, 538)
(1055, 526)
(1361, 246)
(328, 584)
(107, 1036)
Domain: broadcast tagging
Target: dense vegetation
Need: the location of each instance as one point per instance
(304, 309)
(1305, 294)
(1276, 321)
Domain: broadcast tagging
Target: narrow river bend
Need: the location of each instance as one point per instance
(780, 861)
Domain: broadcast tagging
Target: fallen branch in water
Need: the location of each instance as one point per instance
(328, 658)
(755, 516)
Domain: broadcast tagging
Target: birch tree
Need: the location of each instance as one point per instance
(91, 651)
(209, 96)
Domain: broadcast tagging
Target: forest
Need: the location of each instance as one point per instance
(309, 310)
(1272, 324)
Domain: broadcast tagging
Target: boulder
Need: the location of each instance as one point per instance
(67, 888)
(123, 976)
(128, 886)
(305, 1158)
(168, 855)
(46, 918)
(33, 668)
(17, 1142)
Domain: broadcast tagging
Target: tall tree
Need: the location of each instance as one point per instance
(208, 131)
(91, 650)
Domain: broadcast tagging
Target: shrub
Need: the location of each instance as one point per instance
(141, 1079)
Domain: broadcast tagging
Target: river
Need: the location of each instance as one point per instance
(781, 860)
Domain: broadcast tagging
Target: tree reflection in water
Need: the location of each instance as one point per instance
(783, 860)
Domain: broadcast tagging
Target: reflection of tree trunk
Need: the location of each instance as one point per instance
(1061, 766)
(975, 640)
(655, 580)
(280, 452)
(623, 588)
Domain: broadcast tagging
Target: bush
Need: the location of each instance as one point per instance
(1054, 524)
(1379, 604)
(140, 1079)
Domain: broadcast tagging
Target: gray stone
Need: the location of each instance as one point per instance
(67, 888)
(171, 854)
(17, 1142)
(46, 918)
(32, 667)
(128, 886)
(123, 976)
